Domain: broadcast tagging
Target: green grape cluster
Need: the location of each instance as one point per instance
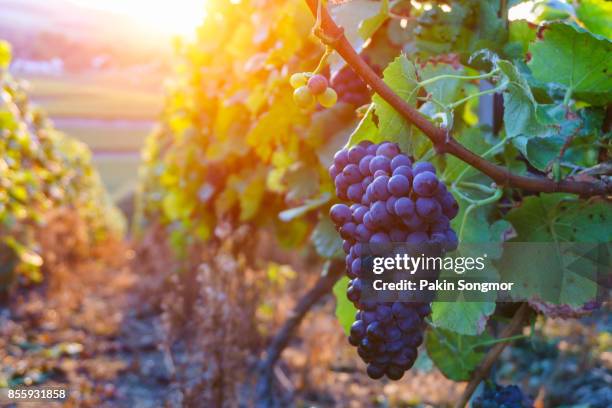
(312, 88)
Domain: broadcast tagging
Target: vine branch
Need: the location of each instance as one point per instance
(322, 287)
(333, 35)
(492, 355)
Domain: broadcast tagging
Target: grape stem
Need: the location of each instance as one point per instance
(460, 77)
(482, 371)
(333, 35)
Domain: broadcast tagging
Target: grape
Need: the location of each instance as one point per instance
(379, 213)
(422, 167)
(403, 171)
(362, 233)
(298, 80)
(387, 149)
(341, 183)
(441, 224)
(449, 205)
(380, 238)
(425, 184)
(340, 214)
(366, 182)
(347, 231)
(369, 223)
(351, 89)
(364, 165)
(428, 208)
(317, 84)
(372, 149)
(452, 241)
(341, 159)
(404, 207)
(397, 235)
(497, 396)
(333, 171)
(414, 224)
(356, 153)
(391, 202)
(380, 173)
(351, 173)
(417, 238)
(400, 160)
(399, 185)
(328, 98)
(380, 163)
(303, 97)
(379, 188)
(359, 212)
(376, 371)
(354, 192)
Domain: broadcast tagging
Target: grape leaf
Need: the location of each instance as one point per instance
(560, 217)
(454, 354)
(596, 16)
(519, 32)
(370, 25)
(573, 57)
(302, 180)
(350, 16)
(366, 129)
(468, 318)
(538, 131)
(400, 75)
(519, 105)
(326, 240)
(549, 272)
(345, 310)
(309, 205)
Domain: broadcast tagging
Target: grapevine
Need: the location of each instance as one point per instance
(415, 76)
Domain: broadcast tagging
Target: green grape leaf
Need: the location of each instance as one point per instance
(468, 318)
(345, 310)
(575, 58)
(561, 217)
(596, 16)
(401, 76)
(519, 32)
(366, 129)
(326, 240)
(444, 90)
(548, 272)
(456, 355)
(302, 181)
(309, 205)
(520, 107)
(370, 25)
(350, 16)
(538, 131)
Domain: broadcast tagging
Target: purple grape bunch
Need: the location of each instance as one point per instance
(350, 87)
(392, 201)
(497, 396)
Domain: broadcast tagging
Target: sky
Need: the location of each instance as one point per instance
(178, 17)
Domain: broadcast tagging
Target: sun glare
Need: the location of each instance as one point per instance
(178, 17)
